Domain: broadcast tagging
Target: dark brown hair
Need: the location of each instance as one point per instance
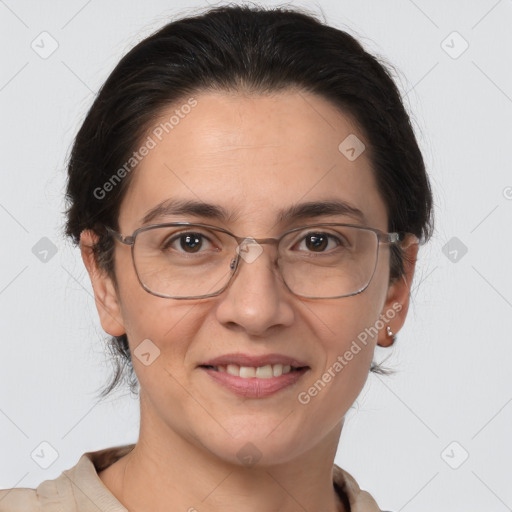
(248, 50)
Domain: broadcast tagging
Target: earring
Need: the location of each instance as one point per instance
(390, 334)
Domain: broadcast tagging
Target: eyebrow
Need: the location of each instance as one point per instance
(301, 211)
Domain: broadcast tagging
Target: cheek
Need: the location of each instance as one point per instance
(160, 334)
(331, 389)
(169, 324)
(347, 331)
(154, 324)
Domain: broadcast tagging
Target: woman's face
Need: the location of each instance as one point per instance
(252, 156)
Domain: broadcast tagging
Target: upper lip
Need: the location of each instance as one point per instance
(248, 360)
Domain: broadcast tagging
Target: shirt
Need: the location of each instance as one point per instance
(80, 489)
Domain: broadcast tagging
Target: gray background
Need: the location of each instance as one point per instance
(407, 436)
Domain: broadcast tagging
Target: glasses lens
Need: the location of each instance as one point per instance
(183, 261)
(316, 262)
(328, 261)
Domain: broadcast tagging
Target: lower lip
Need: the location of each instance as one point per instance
(254, 387)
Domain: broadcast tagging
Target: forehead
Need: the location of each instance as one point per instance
(254, 156)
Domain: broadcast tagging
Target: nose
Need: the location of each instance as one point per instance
(256, 299)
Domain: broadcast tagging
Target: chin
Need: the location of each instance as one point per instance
(254, 446)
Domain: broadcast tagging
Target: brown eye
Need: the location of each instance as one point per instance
(320, 241)
(317, 241)
(190, 243)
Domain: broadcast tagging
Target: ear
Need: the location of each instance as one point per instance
(397, 299)
(105, 294)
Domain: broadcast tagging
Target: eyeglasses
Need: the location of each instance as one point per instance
(183, 260)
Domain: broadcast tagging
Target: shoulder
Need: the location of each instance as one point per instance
(78, 489)
(50, 496)
(14, 500)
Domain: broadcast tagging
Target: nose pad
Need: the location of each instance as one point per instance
(249, 250)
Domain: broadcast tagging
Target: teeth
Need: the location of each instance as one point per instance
(247, 372)
(264, 372)
(232, 369)
(261, 372)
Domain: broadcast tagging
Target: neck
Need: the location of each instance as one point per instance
(165, 470)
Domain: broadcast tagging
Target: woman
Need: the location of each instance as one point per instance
(249, 198)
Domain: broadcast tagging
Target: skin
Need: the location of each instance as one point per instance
(192, 428)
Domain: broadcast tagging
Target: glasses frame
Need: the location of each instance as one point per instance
(382, 238)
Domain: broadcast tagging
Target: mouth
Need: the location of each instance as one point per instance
(254, 376)
(267, 371)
